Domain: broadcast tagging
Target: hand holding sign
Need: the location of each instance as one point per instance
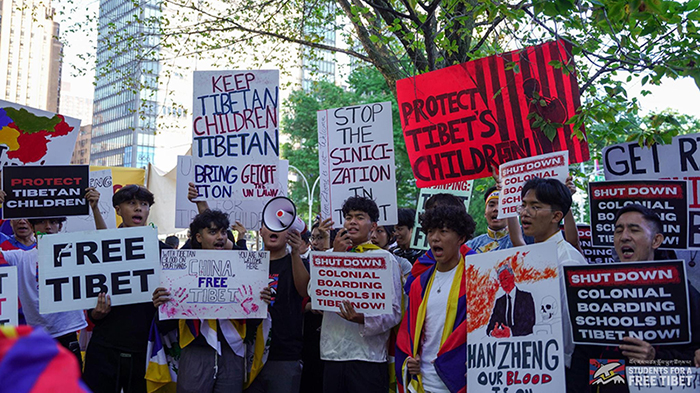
(103, 307)
(635, 348)
(348, 313)
(160, 296)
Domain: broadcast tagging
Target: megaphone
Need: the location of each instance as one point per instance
(280, 214)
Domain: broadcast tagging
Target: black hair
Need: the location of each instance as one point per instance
(649, 216)
(407, 217)
(35, 221)
(451, 217)
(172, 241)
(361, 204)
(551, 192)
(207, 219)
(488, 192)
(132, 191)
(444, 199)
(306, 237)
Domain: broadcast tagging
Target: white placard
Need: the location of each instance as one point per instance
(462, 190)
(102, 181)
(75, 267)
(248, 212)
(514, 174)
(9, 314)
(356, 157)
(214, 284)
(364, 279)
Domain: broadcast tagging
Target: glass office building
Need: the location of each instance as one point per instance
(125, 108)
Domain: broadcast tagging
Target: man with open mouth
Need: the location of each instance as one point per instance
(22, 237)
(496, 236)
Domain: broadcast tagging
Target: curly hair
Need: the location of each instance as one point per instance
(444, 199)
(208, 219)
(361, 204)
(447, 216)
(132, 191)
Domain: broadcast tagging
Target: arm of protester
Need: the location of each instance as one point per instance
(342, 241)
(697, 358)
(93, 198)
(378, 324)
(2, 197)
(324, 229)
(103, 307)
(240, 236)
(570, 230)
(348, 313)
(266, 295)
(160, 296)
(192, 194)
(413, 365)
(299, 271)
(635, 348)
(516, 234)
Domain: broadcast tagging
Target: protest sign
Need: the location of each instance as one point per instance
(667, 198)
(214, 284)
(644, 300)
(462, 190)
(235, 134)
(520, 349)
(662, 379)
(75, 267)
(366, 280)
(515, 173)
(356, 158)
(30, 136)
(679, 160)
(45, 191)
(8, 296)
(102, 181)
(591, 253)
(460, 121)
(248, 212)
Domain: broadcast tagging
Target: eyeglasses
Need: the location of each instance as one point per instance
(532, 210)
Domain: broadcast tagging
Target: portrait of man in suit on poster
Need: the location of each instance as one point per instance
(513, 313)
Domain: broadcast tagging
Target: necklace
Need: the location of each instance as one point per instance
(444, 278)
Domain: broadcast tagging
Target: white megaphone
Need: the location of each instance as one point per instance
(280, 214)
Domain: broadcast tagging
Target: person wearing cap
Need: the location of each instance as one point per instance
(496, 236)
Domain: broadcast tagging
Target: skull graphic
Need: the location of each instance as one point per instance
(549, 308)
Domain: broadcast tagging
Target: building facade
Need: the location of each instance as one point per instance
(126, 92)
(81, 152)
(30, 70)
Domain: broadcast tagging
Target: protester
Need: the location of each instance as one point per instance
(321, 234)
(354, 345)
(203, 206)
(638, 233)
(289, 278)
(62, 326)
(383, 237)
(22, 237)
(173, 242)
(496, 236)
(212, 357)
(116, 355)
(431, 343)
(403, 233)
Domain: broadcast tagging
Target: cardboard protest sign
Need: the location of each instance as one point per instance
(514, 174)
(514, 344)
(214, 284)
(662, 379)
(366, 280)
(356, 157)
(30, 136)
(75, 267)
(102, 181)
(462, 190)
(45, 191)
(8, 296)
(460, 121)
(667, 198)
(591, 253)
(644, 300)
(248, 212)
(235, 134)
(679, 160)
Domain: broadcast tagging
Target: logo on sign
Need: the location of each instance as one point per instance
(607, 371)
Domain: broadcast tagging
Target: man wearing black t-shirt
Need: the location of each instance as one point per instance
(289, 277)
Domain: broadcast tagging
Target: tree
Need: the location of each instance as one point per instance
(299, 122)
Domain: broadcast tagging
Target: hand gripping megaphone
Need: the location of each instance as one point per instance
(280, 214)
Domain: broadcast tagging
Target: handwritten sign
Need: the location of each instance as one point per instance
(514, 174)
(356, 158)
(30, 136)
(363, 279)
(518, 347)
(679, 160)
(248, 211)
(462, 190)
(103, 183)
(45, 191)
(667, 198)
(235, 140)
(460, 121)
(214, 284)
(645, 300)
(8, 296)
(75, 267)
